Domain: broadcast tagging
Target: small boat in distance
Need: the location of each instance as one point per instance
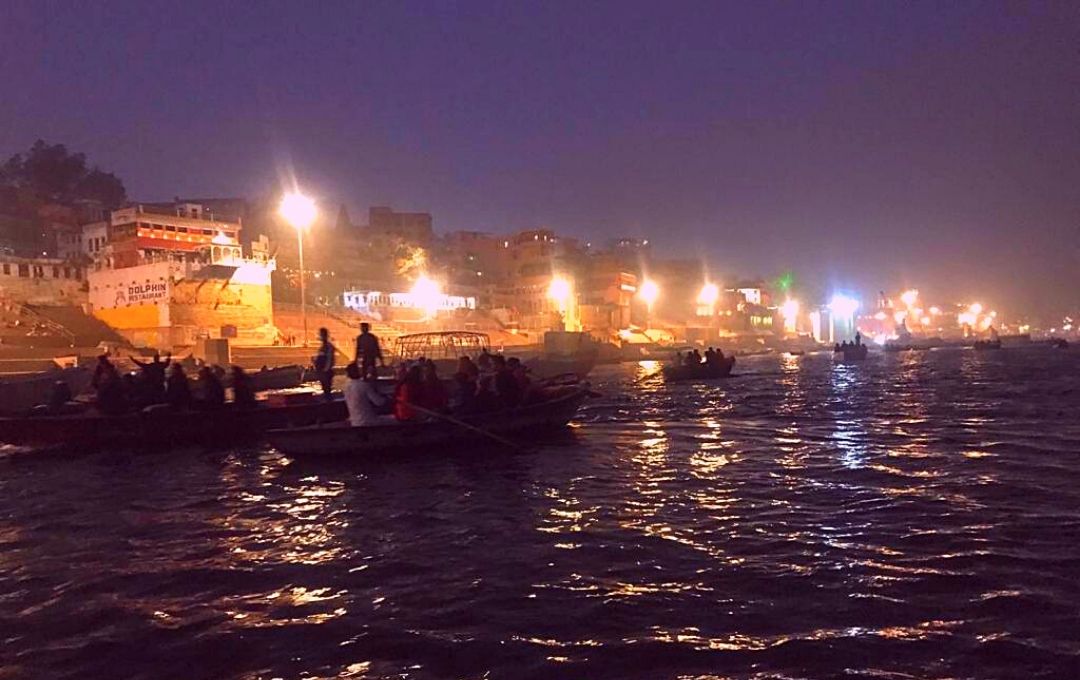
(987, 344)
(703, 371)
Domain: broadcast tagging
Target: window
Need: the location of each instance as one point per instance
(7, 269)
(170, 228)
(56, 272)
(182, 230)
(208, 232)
(67, 272)
(24, 270)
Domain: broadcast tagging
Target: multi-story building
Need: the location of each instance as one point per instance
(137, 236)
(168, 276)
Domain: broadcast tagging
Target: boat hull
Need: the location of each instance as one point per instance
(721, 369)
(162, 428)
(21, 393)
(852, 353)
(341, 440)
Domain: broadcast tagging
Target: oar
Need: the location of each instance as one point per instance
(472, 428)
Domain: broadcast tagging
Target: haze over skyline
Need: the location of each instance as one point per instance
(859, 145)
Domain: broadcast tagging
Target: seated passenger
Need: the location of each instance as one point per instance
(408, 394)
(486, 399)
(361, 396)
(243, 394)
(213, 392)
(433, 394)
(177, 389)
(507, 387)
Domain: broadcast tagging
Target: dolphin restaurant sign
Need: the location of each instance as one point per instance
(141, 293)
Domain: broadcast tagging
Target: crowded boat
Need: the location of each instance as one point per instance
(161, 403)
(696, 365)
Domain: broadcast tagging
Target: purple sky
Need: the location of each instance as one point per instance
(860, 145)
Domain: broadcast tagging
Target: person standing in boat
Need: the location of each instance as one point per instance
(213, 392)
(109, 388)
(367, 349)
(361, 397)
(324, 363)
(243, 394)
(153, 378)
(177, 389)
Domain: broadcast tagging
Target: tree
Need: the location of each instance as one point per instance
(52, 173)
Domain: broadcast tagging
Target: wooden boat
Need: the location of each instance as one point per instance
(720, 369)
(1059, 343)
(21, 393)
(161, 427)
(852, 352)
(344, 441)
(987, 344)
(280, 378)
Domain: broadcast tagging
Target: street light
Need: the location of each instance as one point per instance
(648, 292)
(790, 311)
(709, 294)
(299, 211)
(561, 291)
(426, 295)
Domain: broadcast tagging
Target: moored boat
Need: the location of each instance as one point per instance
(20, 393)
(345, 441)
(987, 344)
(703, 371)
(280, 378)
(160, 427)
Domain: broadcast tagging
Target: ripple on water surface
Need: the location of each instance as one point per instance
(917, 515)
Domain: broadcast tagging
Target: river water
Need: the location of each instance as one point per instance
(913, 516)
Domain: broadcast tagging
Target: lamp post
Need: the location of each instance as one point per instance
(561, 291)
(299, 211)
(648, 292)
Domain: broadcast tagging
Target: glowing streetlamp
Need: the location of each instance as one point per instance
(561, 292)
(709, 294)
(790, 311)
(648, 292)
(300, 212)
(426, 295)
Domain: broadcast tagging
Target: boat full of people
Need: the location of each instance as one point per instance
(160, 406)
(432, 429)
(851, 351)
(694, 365)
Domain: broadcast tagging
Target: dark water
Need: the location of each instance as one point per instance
(916, 516)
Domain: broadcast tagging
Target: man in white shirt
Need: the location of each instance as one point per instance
(361, 397)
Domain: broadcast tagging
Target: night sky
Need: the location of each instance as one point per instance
(860, 145)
